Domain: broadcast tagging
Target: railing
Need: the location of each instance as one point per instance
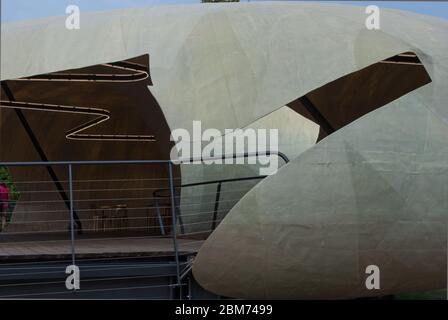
(159, 194)
(36, 247)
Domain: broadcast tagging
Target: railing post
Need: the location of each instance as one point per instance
(173, 217)
(215, 211)
(72, 220)
(178, 214)
(159, 218)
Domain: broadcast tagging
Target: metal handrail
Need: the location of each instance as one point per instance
(69, 165)
(235, 156)
(175, 213)
(157, 193)
(223, 157)
(81, 162)
(107, 162)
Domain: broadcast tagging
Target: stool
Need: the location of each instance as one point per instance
(97, 219)
(106, 217)
(120, 216)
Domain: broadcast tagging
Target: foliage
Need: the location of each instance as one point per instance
(6, 178)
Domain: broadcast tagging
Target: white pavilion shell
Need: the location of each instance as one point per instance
(374, 192)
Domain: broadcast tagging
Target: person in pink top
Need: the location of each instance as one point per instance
(4, 204)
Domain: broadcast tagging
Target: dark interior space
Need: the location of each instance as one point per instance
(342, 101)
(130, 126)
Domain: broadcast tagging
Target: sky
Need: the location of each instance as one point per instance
(14, 10)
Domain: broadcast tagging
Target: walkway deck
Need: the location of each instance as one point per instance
(95, 248)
